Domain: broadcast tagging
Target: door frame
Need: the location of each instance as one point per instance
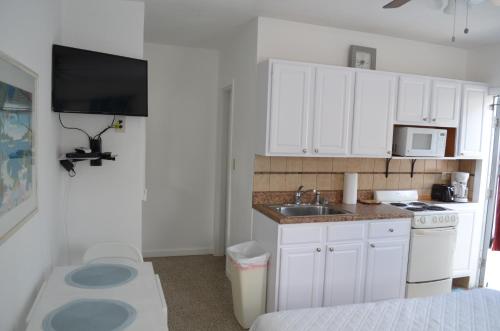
(222, 221)
(493, 189)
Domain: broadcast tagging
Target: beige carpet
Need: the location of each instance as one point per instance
(198, 293)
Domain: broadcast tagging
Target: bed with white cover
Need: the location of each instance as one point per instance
(477, 309)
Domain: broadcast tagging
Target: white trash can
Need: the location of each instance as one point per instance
(248, 272)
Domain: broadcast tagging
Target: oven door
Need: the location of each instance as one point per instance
(422, 142)
(431, 254)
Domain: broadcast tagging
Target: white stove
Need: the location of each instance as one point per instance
(432, 243)
(425, 215)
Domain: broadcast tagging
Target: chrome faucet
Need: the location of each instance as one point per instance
(300, 192)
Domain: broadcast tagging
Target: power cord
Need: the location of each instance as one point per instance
(111, 126)
(71, 128)
(97, 136)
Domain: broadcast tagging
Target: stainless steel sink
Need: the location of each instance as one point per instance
(308, 210)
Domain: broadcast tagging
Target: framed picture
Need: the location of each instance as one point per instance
(18, 174)
(362, 57)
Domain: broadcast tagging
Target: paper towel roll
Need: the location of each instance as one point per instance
(350, 188)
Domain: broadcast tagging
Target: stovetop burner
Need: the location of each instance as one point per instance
(415, 208)
(436, 208)
(398, 204)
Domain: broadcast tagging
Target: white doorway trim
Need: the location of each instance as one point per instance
(491, 206)
(222, 222)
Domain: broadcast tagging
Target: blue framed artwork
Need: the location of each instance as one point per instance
(18, 180)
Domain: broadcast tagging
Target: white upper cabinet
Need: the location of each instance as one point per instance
(333, 104)
(291, 86)
(374, 104)
(445, 103)
(474, 123)
(321, 110)
(413, 100)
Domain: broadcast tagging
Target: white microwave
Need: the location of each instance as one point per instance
(411, 141)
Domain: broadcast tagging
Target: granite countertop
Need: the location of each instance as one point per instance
(358, 212)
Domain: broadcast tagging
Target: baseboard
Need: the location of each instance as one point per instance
(178, 252)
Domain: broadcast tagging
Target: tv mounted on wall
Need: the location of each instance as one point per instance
(90, 82)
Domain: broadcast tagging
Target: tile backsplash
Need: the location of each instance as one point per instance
(273, 174)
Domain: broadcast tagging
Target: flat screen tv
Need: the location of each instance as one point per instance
(97, 83)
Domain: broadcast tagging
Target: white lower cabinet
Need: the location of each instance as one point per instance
(344, 274)
(327, 264)
(386, 266)
(301, 277)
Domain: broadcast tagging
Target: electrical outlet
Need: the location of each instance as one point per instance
(119, 124)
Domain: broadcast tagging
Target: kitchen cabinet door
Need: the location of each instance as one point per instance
(474, 122)
(291, 89)
(301, 277)
(375, 101)
(344, 274)
(334, 94)
(445, 103)
(386, 270)
(413, 100)
(463, 247)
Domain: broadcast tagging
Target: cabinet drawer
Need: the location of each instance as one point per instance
(302, 234)
(346, 232)
(389, 229)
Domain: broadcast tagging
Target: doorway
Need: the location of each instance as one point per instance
(222, 222)
(490, 266)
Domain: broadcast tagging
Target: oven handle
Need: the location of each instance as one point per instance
(421, 232)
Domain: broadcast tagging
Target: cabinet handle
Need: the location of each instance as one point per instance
(304, 150)
(372, 245)
(391, 230)
(318, 249)
(331, 249)
(316, 150)
(388, 152)
(434, 120)
(424, 119)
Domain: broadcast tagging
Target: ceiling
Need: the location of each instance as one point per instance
(202, 23)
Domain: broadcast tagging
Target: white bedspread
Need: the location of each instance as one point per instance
(477, 310)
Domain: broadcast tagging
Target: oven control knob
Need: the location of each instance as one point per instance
(447, 219)
(441, 219)
(422, 220)
(434, 219)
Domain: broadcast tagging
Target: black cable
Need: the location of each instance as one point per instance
(106, 129)
(71, 128)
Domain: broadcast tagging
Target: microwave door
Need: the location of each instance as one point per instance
(422, 144)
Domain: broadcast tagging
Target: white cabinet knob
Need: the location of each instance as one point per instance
(316, 150)
(372, 245)
(388, 152)
(391, 230)
(304, 150)
(434, 120)
(424, 119)
(318, 249)
(331, 249)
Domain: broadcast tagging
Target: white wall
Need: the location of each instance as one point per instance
(484, 65)
(178, 217)
(327, 45)
(29, 28)
(238, 64)
(104, 203)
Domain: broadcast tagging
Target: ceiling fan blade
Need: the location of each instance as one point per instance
(396, 3)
